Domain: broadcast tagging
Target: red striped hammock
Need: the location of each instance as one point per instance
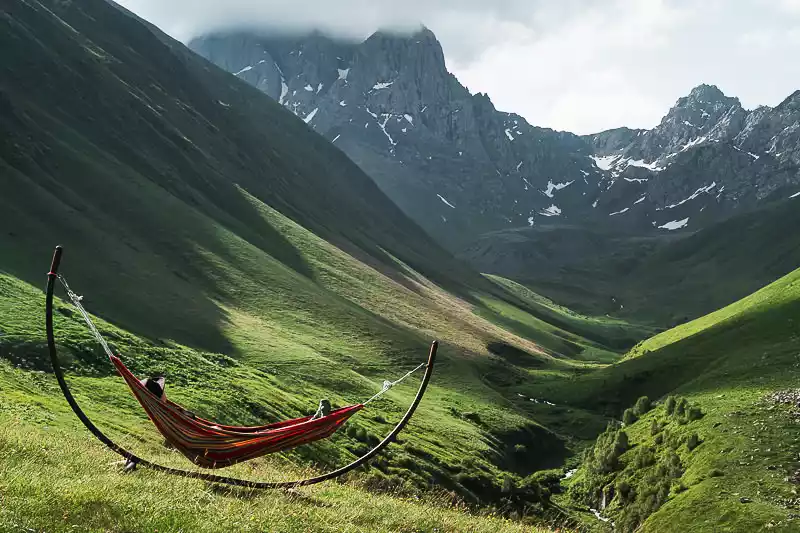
(211, 445)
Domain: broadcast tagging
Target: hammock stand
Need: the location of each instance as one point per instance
(133, 460)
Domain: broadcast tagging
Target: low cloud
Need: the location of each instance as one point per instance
(577, 65)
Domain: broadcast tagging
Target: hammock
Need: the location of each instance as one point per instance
(212, 445)
(206, 443)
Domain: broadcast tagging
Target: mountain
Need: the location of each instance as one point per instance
(447, 157)
(221, 242)
(461, 168)
(662, 278)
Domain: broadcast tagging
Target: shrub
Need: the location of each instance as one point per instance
(680, 408)
(716, 472)
(670, 405)
(629, 417)
(645, 456)
(694, 413)
(655, 428)
(659, 439)
(642, 406)
(520, 448)
(473, 417)
(693, 442)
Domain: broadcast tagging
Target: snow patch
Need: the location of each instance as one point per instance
(508, 134)
(696, 193)
(552, 187)
(386, 118)
(284, 91)
(675, 224)
(443, 199)
(605, 162)
(343, 72)
(245, 69)
(530, 221)
(409, 118)
(694, 142)
(343, 103)
(311, 116)
(382, 85)
(309, 88)
(519, 165)
(319, 88)
(620, 212)
(552, 211)
(336, 138)
(594, 204)
(794, 195)
(640, 200)
(640, 163)
(223, 104)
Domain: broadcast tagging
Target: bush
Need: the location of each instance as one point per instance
(642, 406)
(645, 456)
(655, 428)
(693, 442)
(694, 413)
(680, 408)
(670, 405)
(659, 440)
(520, 448)
(716, 472)
(629, 417)
(473, 417)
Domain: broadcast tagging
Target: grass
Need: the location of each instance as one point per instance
(56, 480)
(728, 363)
(248, 260)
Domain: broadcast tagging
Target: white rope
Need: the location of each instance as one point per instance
(76, 301)
(389, 384)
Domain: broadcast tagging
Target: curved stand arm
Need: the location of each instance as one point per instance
(135, 460)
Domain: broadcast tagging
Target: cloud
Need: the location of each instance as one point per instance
(577, 65)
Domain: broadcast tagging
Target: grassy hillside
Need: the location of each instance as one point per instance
(222, 243)
(665, 278)
(738, 368)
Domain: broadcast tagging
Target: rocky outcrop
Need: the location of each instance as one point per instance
(461, 168)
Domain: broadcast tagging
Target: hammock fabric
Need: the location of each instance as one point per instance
(211, 445)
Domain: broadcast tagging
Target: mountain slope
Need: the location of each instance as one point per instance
(739, 367)
(663, 278)
(461, 168)
(447, 157)
(220, 241)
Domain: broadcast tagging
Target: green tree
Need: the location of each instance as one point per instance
(670, 405)
(642, 406)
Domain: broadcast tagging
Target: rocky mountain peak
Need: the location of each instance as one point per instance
(705, 93)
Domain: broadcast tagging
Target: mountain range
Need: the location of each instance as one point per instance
(461, 168)
(232, 242)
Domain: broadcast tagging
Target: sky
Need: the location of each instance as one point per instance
(574, 65)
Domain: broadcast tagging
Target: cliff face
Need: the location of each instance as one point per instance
(461, 168)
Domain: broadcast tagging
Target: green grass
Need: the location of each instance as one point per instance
(58, 480)
(233, 250)
(728, 363)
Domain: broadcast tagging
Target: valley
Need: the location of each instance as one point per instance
(270, 221)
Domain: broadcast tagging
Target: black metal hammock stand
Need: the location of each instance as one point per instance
(212, 445)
